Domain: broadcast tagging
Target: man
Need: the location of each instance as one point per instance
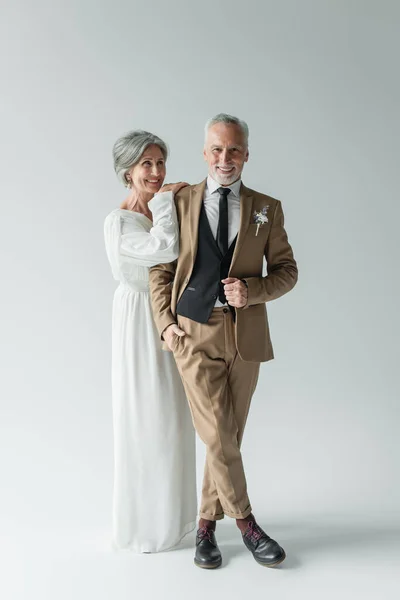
(209, 307)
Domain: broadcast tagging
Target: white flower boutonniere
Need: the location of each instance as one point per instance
(261, 217)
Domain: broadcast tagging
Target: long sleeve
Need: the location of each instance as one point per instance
(143, 248)
(161, 278)
(281, 265)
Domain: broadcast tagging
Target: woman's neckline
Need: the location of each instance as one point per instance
(133, 212)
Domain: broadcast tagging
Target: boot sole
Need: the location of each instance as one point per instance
(211, 566)
(271, 565)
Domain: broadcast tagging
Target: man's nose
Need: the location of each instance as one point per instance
(224, 155)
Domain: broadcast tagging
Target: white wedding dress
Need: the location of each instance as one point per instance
(154, 502)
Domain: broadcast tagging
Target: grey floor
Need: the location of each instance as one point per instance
(328, 556)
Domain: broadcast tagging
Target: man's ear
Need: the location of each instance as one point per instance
(247, 155)
(204, 154)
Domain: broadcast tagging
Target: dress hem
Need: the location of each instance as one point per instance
(146, 550)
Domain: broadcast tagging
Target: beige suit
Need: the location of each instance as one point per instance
(219, 361)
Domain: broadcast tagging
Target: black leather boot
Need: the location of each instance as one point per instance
(266, 551)
(208, 555)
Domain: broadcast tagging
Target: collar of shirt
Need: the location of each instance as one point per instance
(212, 186)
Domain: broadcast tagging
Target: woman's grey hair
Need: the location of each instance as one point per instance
(129, 148)
(224, 118)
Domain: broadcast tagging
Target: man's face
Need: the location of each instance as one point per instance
(225, 151)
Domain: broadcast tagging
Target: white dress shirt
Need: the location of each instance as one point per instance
(211, 205)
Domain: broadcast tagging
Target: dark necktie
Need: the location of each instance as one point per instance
(222, 231)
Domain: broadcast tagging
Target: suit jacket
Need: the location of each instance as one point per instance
(168, 281)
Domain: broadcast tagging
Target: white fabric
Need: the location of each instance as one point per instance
(154, 503)
(211, 204)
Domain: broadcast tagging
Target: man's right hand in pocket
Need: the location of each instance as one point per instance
(170, 332)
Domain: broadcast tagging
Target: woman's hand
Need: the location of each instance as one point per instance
(173, 187)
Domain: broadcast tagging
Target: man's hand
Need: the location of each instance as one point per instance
(173, 187)
(235, 291)
(170, 332)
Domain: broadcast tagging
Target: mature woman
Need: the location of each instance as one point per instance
(154, 446)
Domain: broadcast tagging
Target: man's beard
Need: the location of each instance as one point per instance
(226, 179)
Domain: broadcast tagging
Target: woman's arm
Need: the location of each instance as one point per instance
(159, 245)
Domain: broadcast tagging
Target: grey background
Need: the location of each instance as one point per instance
(317, 82)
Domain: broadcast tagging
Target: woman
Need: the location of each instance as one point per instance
(154, 502)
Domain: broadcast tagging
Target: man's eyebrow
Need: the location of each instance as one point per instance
(232, 146)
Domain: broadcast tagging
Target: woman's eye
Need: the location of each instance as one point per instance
(147, 163)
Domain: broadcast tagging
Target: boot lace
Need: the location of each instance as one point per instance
(254, 532)
(205, 534)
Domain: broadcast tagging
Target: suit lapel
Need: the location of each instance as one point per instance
(196, 201)
(246, 209)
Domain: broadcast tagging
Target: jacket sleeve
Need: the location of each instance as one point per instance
(161, 279)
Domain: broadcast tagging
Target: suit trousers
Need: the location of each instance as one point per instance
(219, 386)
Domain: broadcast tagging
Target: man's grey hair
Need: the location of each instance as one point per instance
(129, 148)
(224, 118)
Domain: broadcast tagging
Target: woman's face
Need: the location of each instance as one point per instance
(148, 174)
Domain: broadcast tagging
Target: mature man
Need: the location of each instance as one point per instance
(209, 307)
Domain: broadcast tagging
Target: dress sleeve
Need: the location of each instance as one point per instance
(144, 248)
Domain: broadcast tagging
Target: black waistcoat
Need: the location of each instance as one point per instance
(204, 287)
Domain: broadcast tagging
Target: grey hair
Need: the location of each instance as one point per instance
(229, 119)
(128, 149)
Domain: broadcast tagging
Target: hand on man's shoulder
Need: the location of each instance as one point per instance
(183, 196)
(184, 192)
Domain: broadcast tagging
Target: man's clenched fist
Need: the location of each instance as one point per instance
(235, 291)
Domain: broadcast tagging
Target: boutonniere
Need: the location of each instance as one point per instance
(260, 217)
